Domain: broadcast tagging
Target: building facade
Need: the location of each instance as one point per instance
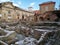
(36, 15)
(47, 6)
(10, 13)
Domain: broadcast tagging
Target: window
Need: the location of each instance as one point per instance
(41, 18)
(4, 14)
(46, 8)
(22, 17)
(48, 18)
(0, 15)
(18, 15)
(9, 12)
(9, 17)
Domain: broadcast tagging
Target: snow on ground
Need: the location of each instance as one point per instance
(45, 30)
(7, 33)
(42, 37)
(3, 42)
(20, 42)
(20, 37)
(26, 41)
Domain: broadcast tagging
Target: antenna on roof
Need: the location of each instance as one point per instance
(59, 6)
(30, 9)
(55, 8)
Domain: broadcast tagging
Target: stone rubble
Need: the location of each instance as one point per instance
(28, 35)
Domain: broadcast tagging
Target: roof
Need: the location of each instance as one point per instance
(22, 9)
(36, 12)
(45, 3)
(14, 6)
(6, 2)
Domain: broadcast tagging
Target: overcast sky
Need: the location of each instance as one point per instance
(30, 3)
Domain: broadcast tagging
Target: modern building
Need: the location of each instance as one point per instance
(10, 13)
